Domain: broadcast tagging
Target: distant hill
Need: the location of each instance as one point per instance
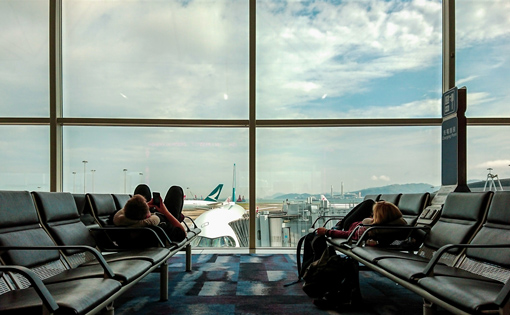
(390, 189)
(397, 188)
(479, 185)
(474, 185)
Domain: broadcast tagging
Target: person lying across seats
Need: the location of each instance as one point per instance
(383, 213)
(136, 213)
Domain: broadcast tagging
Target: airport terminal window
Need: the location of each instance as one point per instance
(348, 59)
(188, 60)
(294, 164)
(156, 59)
(483, 56)
(197, 159)
(24, 152)
(24, 58)
(488, 152)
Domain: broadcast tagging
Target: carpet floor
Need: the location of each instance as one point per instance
(253, 284)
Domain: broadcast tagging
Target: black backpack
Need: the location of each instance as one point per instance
(334, 278)
(313, 247)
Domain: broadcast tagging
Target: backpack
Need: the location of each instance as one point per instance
(333, 278)
(313, 246)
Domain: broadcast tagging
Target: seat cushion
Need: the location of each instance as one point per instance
(125, 271)
(74, 297)
(153, 255)
(373, 254)
(413, 269)
(467, 294)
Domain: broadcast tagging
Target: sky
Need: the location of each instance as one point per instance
(189, 59)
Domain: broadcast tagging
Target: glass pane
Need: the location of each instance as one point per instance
(156, 59)
(339, 59)
(296, 166)
(483, 56)
(488, 158)
(198, 160)
(24, 62)
(24, 152)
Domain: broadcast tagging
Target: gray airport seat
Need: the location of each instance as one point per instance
(412, 205)
(484, 270)
(393, 198)
(120, 200)
(19, 234)
(461, 217)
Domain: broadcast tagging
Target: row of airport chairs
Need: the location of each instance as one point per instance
(463, 264)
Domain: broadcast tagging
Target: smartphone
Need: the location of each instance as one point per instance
(156, 199)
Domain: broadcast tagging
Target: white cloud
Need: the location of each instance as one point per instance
(383, 178)
(460, 82)
(495, 164)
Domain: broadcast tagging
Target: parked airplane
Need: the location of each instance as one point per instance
(214, 223)
(209, 202)
(216, 231)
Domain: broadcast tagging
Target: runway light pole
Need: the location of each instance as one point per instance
(125, 179)
(93, 172)
(74, 182)
(84, 177)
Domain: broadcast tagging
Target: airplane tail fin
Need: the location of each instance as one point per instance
(215, 194)
(324, 198)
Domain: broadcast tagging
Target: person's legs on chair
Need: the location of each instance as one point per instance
(174, 201)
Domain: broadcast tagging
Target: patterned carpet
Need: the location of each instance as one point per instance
(252, 284)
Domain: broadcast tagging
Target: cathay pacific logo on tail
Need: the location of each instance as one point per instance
(215, 194)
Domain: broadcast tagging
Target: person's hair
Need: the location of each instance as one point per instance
(385, 212)
(136, 208)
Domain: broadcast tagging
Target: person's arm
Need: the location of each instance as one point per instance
(164, 211)
(119, 219)
(332, 233)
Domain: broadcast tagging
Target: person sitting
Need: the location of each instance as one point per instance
(384, 213)
(136, 213)
(174, 199)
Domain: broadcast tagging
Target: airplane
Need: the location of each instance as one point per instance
(209, 202)
(214, 223)
(216, 231)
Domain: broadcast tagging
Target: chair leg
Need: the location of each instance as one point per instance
(188, 258)
(109, 309)
(163, 269)
(429, 308)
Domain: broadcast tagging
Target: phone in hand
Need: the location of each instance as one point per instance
(156, 199)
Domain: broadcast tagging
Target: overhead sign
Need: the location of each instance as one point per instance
(450, 102)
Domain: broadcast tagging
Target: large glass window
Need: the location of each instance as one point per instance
(348, 59)
(156, 59)
(24, 58)
(295, 166)
(117, 159)
(24, 152)
(189, 60)
(488, 156)
(483, 55)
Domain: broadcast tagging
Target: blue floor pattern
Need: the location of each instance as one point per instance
(252, 284)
